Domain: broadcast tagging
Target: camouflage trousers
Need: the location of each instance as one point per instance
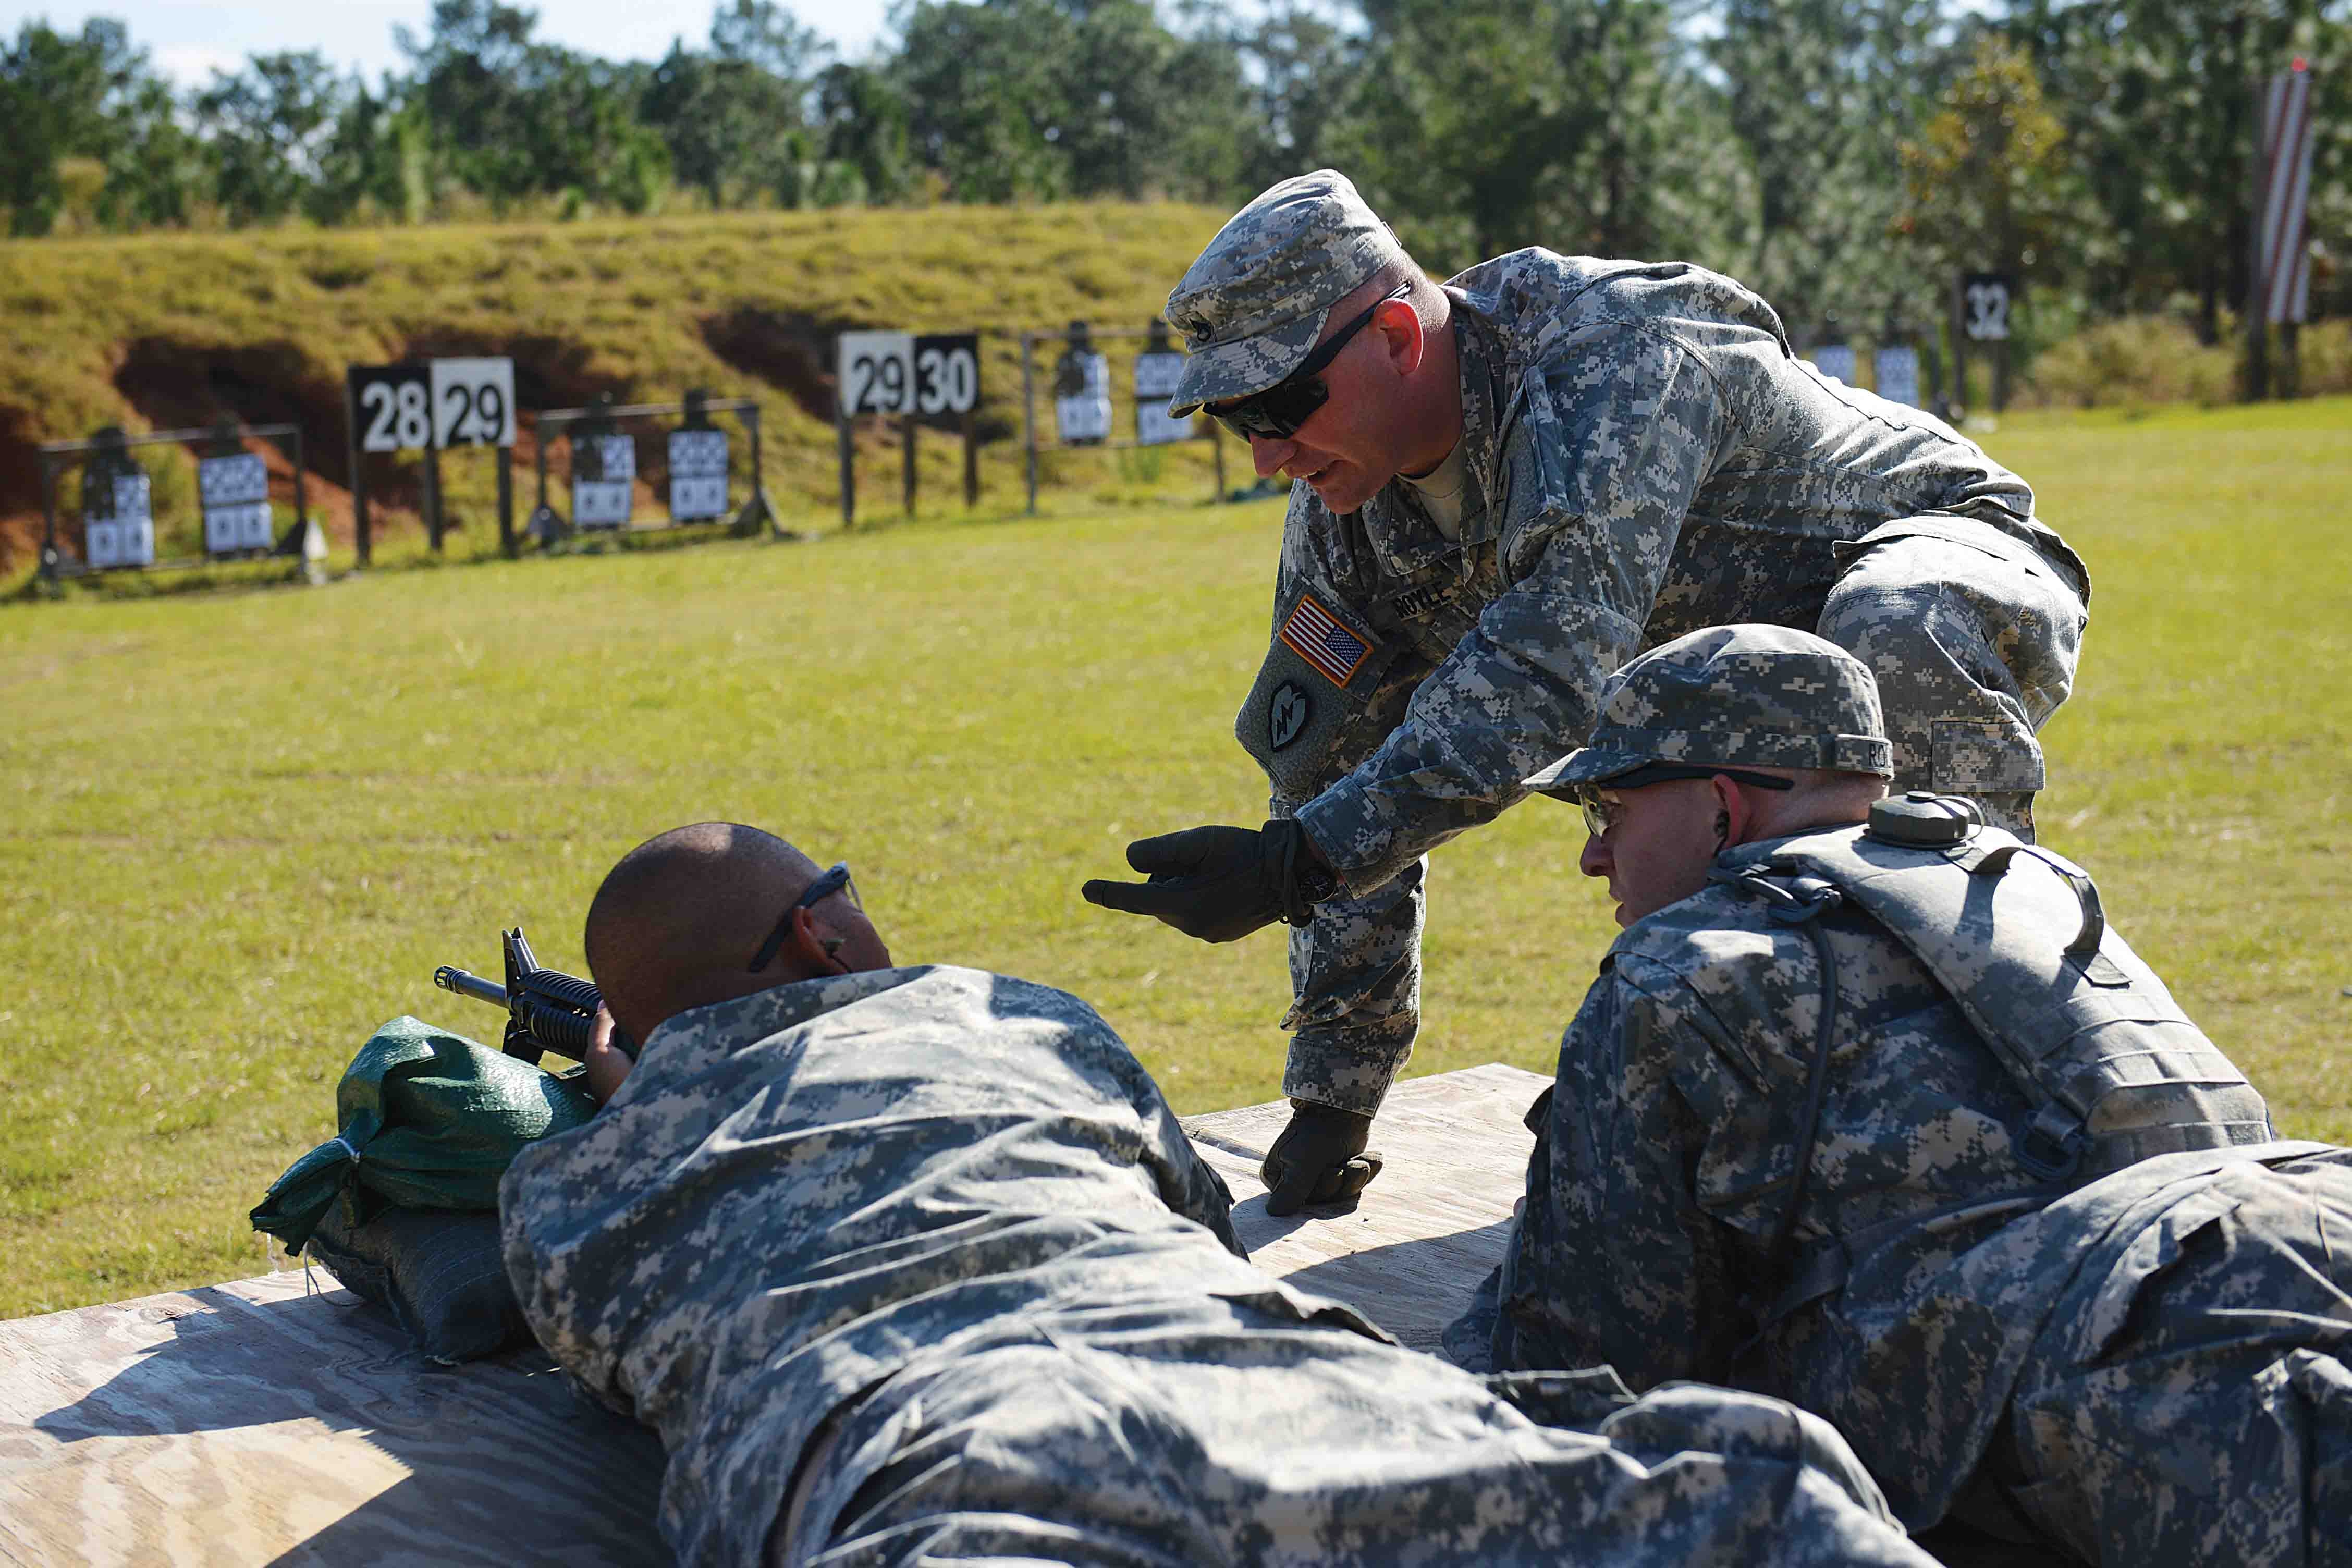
(1972, 636)
(2192, 1403)
(1216, 1434)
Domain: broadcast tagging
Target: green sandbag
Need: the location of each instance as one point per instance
(428, 1119)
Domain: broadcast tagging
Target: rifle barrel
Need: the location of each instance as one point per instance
(465, 984)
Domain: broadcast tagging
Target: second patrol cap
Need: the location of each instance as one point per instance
(1743, 696)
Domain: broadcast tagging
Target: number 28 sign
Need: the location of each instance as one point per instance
(443, 403)
(902, 373)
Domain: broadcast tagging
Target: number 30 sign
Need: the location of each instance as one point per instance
(899, 372)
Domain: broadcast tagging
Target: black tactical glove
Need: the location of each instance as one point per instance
(1219, 884)
(1320, 1158)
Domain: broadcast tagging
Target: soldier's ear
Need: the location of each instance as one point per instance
(1399, 325)
(1733, 814)
(813, 952)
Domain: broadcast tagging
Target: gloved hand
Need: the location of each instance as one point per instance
(1218, 884)
(1319, 1159)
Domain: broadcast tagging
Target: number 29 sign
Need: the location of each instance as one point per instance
(901, 372)
(443, 403)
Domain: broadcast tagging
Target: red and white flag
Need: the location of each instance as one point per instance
(2283, 253)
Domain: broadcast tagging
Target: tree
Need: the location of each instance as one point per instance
(735, 119)
(1817, 93)
(1499, 124)
(263, 128)
(862, 121)
(510, 117)
(2158, 100)
(156, 171)
(1142, 111)
(1030, 99)
(1302, 69)
(62, 95)
(375, 161)
(766, 38)
(982, 106)
(1984, 182)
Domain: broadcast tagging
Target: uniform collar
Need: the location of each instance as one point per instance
(1402, 535)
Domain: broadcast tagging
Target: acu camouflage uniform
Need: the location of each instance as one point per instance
(2138, 1368)
(1646, 456)
(917, 1265)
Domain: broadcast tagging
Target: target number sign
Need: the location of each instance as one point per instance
(392, 404)
(447, 402)
(1986, 299)
(473, 403)
(904, 373)
(235, 493)
(947, 373)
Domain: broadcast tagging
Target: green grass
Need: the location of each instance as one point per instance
(246, 826)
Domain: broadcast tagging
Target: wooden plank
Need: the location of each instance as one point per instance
(271, 1420)
(253, 1423)
(1428, 1230)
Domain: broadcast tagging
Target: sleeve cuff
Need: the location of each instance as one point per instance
(1349, 1068)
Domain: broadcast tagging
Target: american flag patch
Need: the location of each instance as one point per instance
(1315, 635)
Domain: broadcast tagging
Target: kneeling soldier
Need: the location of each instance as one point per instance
(1870, 1109)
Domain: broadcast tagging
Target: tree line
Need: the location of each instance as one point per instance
(1843, 156)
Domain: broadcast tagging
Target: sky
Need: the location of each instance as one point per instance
(188, 39)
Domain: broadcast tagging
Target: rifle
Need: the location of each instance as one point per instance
(546, 1010)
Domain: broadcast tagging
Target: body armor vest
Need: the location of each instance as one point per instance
(2114, 1069)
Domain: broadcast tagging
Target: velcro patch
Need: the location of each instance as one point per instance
(1334, 650)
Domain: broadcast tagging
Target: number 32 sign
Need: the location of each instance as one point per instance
(899, 372)
(447, 402)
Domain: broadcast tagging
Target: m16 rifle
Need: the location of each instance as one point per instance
(546, 1010)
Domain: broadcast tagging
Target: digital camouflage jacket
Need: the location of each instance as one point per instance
(1646, 457)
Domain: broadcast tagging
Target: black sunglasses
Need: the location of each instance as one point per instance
(1278, 411)
(834, 879)
(1601, 815)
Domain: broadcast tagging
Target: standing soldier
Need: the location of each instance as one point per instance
(1504, 487)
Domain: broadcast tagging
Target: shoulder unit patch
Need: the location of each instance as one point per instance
(1287, 714)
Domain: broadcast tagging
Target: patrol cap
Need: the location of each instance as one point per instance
(1733, 697)
(1253, 302)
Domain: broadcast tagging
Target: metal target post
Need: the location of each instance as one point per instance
(1156, 337)
(917, 376)
(112, 446)
(757, 513)
(428, 406)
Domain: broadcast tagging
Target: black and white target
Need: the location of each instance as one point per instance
(234, 494)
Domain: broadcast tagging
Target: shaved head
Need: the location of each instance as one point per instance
(676, 922)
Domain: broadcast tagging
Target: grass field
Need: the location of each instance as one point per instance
(244, 827)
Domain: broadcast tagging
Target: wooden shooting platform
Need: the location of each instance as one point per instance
(278, 1420)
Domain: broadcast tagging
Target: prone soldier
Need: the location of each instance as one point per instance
(1505, 486)
(1872, 1109)
(915, 1265)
